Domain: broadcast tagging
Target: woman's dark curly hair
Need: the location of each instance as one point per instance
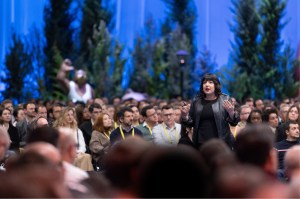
(215, 80)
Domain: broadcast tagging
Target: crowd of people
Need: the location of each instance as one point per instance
(211, 146)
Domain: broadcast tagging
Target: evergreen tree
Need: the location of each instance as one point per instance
(92, 14)
(101, 50)
(275, 73)
(116, 72)
(183, 12)
(18, 65)
(245, 77)
(58, 34)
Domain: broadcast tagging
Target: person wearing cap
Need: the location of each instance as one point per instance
(78, 89)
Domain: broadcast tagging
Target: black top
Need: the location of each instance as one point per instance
(87, 129)
(116, 134)
(283, 145)
(14, 137)
(207, 126)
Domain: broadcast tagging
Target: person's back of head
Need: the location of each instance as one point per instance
(254, 145)
(44, 134)
(66, 144)
(4, 142)
(292, 162)
(173, 172)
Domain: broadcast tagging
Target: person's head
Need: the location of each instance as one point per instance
(168, 115)
(29, 109)
(44, 134)
(283, 109)
(19, 114)
(125, 116)
(259, 104)
(245, 111)
(95, 110)
(292, 130)
(136, 113)
(177, 114)
(66, 144)
(293, 114)
(5, 115)
(270, 116)
(103, 123)
(56, 110)
(67, 119)
(8, 104)
(4, 142)
(150, 115)
(292, 162)
(110, 109)
(210, 85)
(255, 117)
(41, 110)
(80, 77)
(157, 174)
(159, 115)
(250, 102)
(254, 145)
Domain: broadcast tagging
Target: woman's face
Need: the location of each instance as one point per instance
(273, 120)
(86, 114)
(209, 87)
(255, 118)
(293, 114)
(69, 118)
(21, 115)
(107, 122)
(6, 116)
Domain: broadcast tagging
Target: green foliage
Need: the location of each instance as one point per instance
(183, 12)
(58, 33)
(92, 14)
(101, 49)
(18, 65)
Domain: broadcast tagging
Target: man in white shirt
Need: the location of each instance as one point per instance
(167, 133)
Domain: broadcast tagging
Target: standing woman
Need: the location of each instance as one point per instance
(5, 121)
(68, 119)
(210, 113)
(99, 144)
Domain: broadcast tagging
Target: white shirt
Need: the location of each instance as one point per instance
(79, 139)
(163, 135)
(74, 96)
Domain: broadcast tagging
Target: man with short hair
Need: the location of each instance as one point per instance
(55, 113)
(254, 146)
(259, 104)
(87, 127)
(292, 139)
(167, 133)
(22, 126)
(125, 118)
(177, 114)
(41, 110)
(150, 117)
(283, 109)
(136, 115)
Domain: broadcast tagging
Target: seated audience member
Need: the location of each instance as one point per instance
(259, 104)
(125, 118)
(5, 121)
(136, 115)
(255, 117)
(19, 115)
(292, 115)
(254, 145)
(4, 143)
(270, 117)
(68, 119)
(244, 111)
(292, 132)
(150, 120)
(99, 144)
(54, 113)
(44, 134)
(292, 163)
(121, 165)
(283, 109)
(167, 133)
(173, 173)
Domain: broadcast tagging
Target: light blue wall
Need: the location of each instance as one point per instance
(212, 25)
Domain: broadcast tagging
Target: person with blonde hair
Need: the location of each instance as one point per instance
(68, 119)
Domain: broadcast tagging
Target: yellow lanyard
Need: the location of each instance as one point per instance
(115, 125)
(168, 135)
(107, 135)
(122, 134)
(149, 129)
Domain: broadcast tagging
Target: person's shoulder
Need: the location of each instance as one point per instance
(138, 131)
(85, 124)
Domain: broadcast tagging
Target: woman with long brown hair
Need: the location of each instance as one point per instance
(99, 144)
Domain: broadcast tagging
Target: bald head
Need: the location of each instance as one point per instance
(66, 144)
(292, 161)
(44, 149)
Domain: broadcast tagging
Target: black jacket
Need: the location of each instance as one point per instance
(221, 116)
